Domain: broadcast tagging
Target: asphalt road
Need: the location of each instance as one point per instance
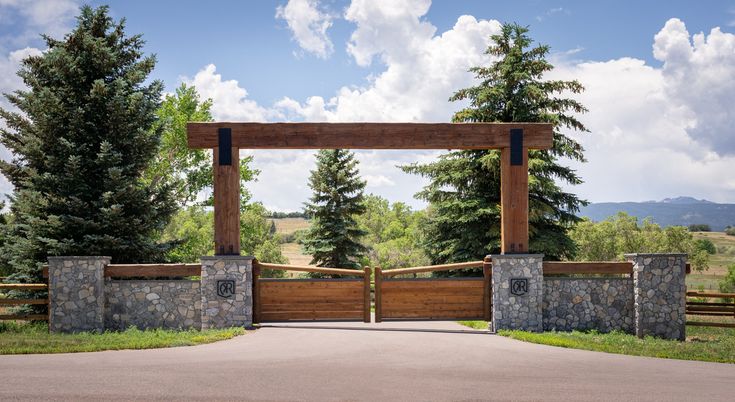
(358, 362)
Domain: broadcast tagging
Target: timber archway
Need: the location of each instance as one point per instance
(513, 139)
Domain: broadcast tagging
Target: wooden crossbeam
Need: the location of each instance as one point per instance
(370, 135)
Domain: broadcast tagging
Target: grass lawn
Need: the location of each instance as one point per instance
(24, 338)
(702, 343)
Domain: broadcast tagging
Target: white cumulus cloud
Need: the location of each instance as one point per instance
(230, 101)
(309, 26)
(422, 69)
(699, 73)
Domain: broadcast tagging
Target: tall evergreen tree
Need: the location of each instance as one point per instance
(80, 146)
(464, 188)
(333, 238)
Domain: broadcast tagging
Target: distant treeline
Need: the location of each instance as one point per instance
(281, 215)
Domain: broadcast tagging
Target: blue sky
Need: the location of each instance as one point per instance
(660, 77)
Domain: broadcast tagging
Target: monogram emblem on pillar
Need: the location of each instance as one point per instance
(519, 286)
(226, 288)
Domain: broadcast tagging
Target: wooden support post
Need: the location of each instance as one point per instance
(366, 290)
(226, 196)
(487, 288)
(256, 292)
(378, 297)
(514, 196)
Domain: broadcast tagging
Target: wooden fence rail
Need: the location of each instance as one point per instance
(711, 308)
(24, 301)
(151, 270)
(591, 267)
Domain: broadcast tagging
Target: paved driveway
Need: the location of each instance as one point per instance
(358, 362)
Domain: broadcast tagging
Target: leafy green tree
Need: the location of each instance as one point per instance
(464, 188)
(81, 142)
(393, 234)
(333, 240)
(706, 245)
(188, 171)
(727, 284)
(621, 234)
(192, 232)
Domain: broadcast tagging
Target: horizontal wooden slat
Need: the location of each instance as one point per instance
(27, 317)
(306, 268)
(370, 135)
(311, 284)
(19, 302)
(431, 268)
(311, 315)
(433, 284)
(418, 306)
(553, 267)
(710, 313)
(433, 298)
(695, 303)
(313, 306)
(24, 286)
(723, 309)
(152, 270)
(310, 299)
(438, 315)
(712, 294)
(711, 324)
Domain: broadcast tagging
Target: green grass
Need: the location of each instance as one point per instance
(702, 343)
(474, 324)
(24, 338)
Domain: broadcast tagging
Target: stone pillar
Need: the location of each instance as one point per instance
(659, 290)
(517, 283)
(227, 291)
(76, 293)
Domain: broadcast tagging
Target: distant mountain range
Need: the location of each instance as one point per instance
(668, 212)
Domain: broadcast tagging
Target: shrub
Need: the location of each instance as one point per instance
(699, 227)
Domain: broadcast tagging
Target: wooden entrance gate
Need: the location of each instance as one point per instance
(328, 299)
(460, 298)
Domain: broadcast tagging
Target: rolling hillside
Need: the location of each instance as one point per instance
(671, 211)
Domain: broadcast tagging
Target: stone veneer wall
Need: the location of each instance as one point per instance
(603, 304)
(76, 293)
(235, 310)
(660, 294)
(170, 304)
(511, 311)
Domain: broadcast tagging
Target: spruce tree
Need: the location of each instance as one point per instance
(464, 188)
(80, 145)
(333, 238)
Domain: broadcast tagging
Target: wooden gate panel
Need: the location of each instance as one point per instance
(433, 298)
(310, 299)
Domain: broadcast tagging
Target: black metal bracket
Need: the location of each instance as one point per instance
(516, 146)
(224, 142)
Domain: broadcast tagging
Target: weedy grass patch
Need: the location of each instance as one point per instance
(26, 338)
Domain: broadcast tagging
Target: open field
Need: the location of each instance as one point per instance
(292, 251)
(290, 225)
(24, 338)
(709, 280)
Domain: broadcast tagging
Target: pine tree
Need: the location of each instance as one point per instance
(333, 238)
(80, 146)
(464, 188)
